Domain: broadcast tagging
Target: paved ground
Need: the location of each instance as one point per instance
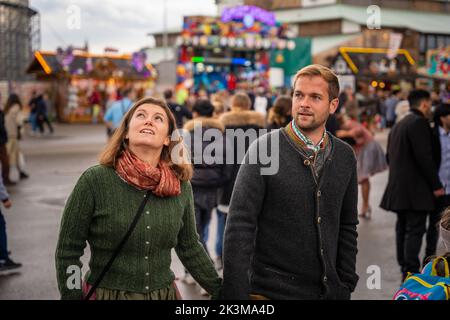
(56, 162)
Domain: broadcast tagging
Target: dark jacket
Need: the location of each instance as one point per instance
(246, 126)
(332, 124)
(180, 112)
(41, 106)
(436, 146)
(208, 172)
(288, 236)
(413, 175)
(32, 105)
(3, 133)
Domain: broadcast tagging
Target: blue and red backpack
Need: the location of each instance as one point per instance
(426, 285)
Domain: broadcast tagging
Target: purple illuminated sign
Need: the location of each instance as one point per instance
(138, 60)
(240, 12)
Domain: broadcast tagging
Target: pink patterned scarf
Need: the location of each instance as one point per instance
(161, 180)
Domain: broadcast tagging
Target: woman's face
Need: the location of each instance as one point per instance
(149, 127)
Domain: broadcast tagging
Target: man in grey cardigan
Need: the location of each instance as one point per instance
(292, 235)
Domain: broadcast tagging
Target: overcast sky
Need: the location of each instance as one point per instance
(121, 24)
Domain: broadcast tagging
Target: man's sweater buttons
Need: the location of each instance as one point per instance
(307, 163)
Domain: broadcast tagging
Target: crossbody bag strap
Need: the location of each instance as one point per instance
(119, 247)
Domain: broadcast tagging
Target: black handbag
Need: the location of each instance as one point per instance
(119, 247)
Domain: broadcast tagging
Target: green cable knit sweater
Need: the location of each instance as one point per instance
(100, 211)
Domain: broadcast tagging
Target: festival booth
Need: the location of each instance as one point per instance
(231, 53)
(378, 67)
(437, 70)
(84, 85)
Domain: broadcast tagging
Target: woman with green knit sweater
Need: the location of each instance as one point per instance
(143, 161)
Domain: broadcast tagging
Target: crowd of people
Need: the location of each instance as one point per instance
(289, 235)
(419, 177)
(14, 117)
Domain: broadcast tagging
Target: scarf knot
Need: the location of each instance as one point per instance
(160, 180)
(295, 134)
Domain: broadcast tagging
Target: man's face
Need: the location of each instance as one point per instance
(311, 104)
(427, 104)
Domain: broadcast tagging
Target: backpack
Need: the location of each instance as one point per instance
(426, 285)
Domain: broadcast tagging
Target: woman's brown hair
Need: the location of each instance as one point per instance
(13, 99)
(280, 111)
(117, 144)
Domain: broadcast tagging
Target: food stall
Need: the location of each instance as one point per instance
(231, 52)
(84, 85)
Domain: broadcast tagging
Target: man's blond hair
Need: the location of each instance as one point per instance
(325, 73)
(241, 101)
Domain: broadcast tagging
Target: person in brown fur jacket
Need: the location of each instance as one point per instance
(242, 126)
